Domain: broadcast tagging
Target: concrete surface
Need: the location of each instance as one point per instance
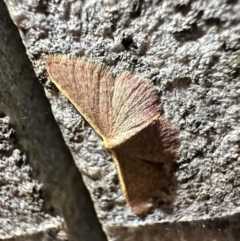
(39, 179)
(190, 50)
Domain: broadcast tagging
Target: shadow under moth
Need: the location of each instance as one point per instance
(126, 114)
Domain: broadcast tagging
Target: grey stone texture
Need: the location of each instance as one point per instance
(21, 205)
(39, 179)
(190, 50)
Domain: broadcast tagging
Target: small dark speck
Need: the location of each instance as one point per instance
(42, 6)
(2, 114)
(127, 42)
(183, 8)
(231, 1)
(213, 21)
(136, 9)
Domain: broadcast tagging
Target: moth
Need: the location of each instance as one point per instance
(125, 113)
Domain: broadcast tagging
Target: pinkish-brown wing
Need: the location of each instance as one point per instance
(158, 143)
(144, 162)
(134, 106)
(141, 181)
(88, 86)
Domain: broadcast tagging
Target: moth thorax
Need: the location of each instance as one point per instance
(108, 145)
(105, 144)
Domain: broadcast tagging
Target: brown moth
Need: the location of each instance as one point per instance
(126, 114)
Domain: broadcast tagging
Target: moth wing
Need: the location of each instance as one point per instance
(144, 164)
(88, 86)
(140, 181)
(158, 143)
(134, 106)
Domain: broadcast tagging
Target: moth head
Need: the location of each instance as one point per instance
(108, 144)
(105, 144)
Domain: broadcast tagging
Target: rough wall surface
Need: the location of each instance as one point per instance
(21, 206)
(32, 153)
(22, 209)
(191, 51)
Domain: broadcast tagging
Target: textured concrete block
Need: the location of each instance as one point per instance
(190, 50)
